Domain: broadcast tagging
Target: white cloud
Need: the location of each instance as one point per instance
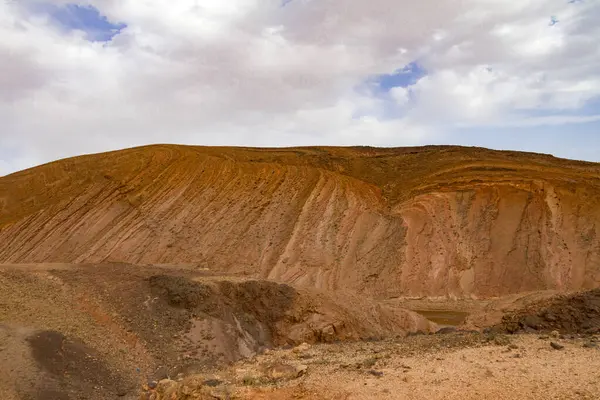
(250, 72)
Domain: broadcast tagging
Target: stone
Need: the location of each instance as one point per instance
(186, 390)
(301, 370)
(501, 340)
(556, 346)
(550, 317)
(160, 374)
(513, 327)
(378, 374)
(554, 334)
(446, 330)
(327, 334)
(281, 371)
(212, 382)
(590, 345)
(301, 348)
(152, 384)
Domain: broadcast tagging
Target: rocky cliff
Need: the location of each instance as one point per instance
(430, 221)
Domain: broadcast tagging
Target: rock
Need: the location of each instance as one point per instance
(378, 374)
(554, 334)
(301, 348)
(327, 334)
(446, 330)
(301, 370)
(212, 382)
(513, 347)
(152, 384)
(281, 371)
(550, 317)
(166, 388)
(263, 350)
(544, 337)
(590, 345)
(501, 340)
(160, 374)
(513, 328)
(556, 346)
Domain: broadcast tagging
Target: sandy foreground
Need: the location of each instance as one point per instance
(454, 366)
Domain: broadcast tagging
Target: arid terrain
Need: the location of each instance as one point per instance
(179, 272)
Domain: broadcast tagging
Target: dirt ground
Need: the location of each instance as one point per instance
(453, 366)
(101, 331)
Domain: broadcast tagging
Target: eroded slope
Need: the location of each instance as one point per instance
(430, 221)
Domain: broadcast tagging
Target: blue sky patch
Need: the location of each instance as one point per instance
(84, 18)
(404, 77)
(380, 86)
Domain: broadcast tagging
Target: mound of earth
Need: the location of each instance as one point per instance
(574, 313)
(231, 319)
(100, 331)
(429, 221)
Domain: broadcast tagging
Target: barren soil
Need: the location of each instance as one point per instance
(101, 331)
(453, 366)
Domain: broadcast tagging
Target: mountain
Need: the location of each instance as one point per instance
(394, 222)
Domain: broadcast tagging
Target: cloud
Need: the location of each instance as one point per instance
(250, 72)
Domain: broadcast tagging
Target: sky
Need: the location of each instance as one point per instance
(86, 76)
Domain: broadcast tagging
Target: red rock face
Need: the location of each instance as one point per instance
(500, 239)
(440, 221)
